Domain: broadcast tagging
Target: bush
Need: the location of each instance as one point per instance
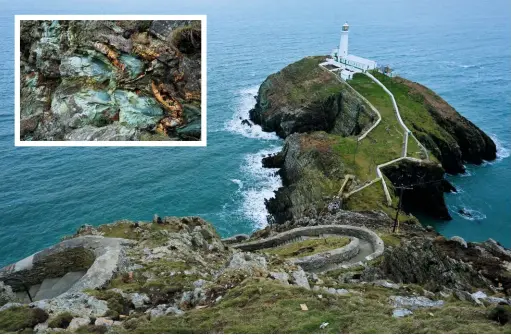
(20, 318)
(91, 329)
(501, 314)
(61, 321)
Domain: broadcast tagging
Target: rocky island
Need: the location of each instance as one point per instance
(339, 134)
(330, 262)
(110, 80)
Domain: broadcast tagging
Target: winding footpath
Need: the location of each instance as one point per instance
(407, 134)
(365, 245)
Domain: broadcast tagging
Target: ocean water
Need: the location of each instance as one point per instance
(461, 51)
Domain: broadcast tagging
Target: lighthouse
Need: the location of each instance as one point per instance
(343, 64)
(343, 44)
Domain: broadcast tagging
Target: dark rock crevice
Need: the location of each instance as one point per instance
(423, 187)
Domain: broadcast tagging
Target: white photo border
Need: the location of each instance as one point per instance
(204, 102)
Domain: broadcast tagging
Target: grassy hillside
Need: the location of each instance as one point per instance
(264, 306)
(304, 81)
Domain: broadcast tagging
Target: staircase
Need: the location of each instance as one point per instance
(50, 287)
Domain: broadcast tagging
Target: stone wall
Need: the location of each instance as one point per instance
(101, 257)
(357, 232)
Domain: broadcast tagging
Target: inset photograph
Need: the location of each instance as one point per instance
(110, 80)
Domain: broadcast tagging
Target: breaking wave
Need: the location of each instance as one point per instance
(502, 152)
(468, 214)
(263, 183)
(245, 102)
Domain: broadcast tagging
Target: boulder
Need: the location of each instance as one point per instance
(77, 323)
(466, 296)
(75, 303)
(163, 309)
(281, 277)
(300, 278)
(103, 322)
(387, 284)
(6, 294)
(401, 312)
(414, 302)
(139, 300)
(247, 262)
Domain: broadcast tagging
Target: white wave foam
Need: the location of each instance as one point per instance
(245, 102)
(470, 66)
(468, 214)
(502, 152)
(459, 190)
(263, 183)
(467, 172)
(463, 66)
(238, 182)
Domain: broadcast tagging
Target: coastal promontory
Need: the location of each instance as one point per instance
(347, 145)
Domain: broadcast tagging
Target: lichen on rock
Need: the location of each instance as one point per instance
(88, 75)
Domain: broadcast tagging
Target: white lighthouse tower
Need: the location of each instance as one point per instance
(343, 44)
(343, 64)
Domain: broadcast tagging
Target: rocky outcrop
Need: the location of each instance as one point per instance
(303, 97)
(310, 170)
(437, 264)
(452, 138)
(178, 269)
(110, 80)
(425, 187)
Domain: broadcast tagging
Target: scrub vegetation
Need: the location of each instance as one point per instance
(274, 308)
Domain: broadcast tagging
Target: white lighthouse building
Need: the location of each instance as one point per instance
(343, 44)
(343, 63)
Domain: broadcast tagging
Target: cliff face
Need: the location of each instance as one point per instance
(110, 80)
(426, 187)
(310, 171)
(302, 97)
(452, 138)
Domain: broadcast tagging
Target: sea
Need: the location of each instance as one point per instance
(460, 49)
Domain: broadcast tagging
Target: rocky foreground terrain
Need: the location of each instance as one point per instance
(110, 80)
(178, 276)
